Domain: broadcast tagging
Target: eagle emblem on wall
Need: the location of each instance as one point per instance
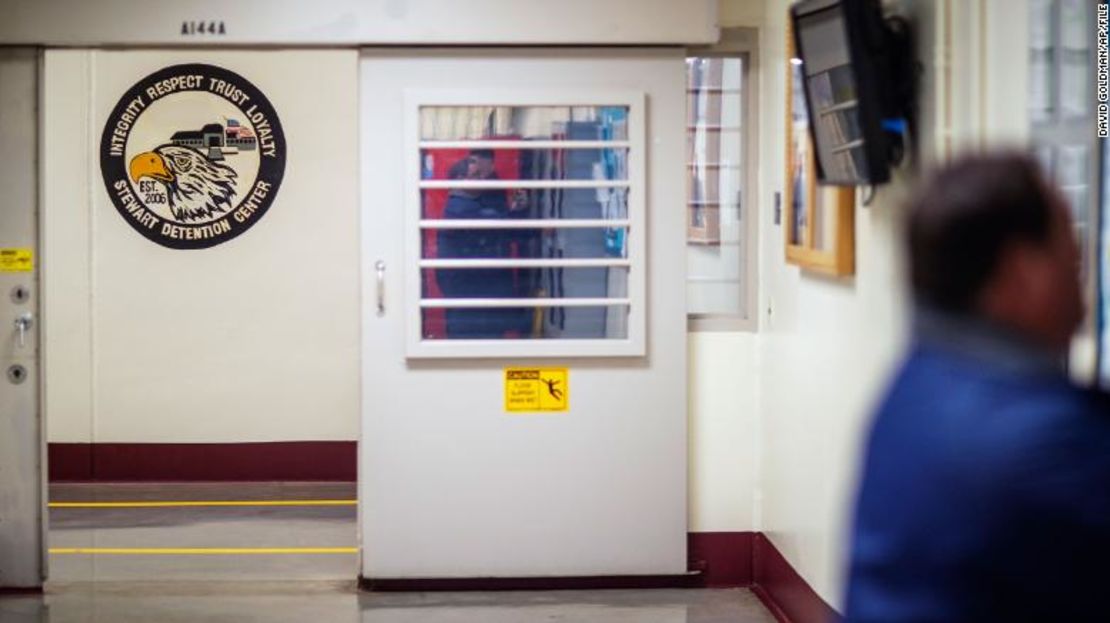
(199, 184)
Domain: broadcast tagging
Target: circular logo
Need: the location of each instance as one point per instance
(192, 156)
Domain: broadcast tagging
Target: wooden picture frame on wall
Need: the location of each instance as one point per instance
(819, 220)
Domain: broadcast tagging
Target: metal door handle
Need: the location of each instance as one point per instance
(23, 322)
(379, 268)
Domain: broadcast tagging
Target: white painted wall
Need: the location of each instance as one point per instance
(723, 412)
(255, 339)
(775, 415)
(736, 13)
(826, 347)
(724, 432)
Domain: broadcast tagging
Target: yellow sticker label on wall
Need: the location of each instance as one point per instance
(17, 260)
(531, 390)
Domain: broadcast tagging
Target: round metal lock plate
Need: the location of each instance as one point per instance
(21, 294)
(17, 374)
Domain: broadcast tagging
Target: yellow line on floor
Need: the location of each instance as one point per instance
(186, 503)
(177, 551)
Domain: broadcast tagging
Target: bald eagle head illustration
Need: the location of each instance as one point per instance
(196, 187)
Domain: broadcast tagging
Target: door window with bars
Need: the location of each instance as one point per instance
(715, 234)
(527, 230)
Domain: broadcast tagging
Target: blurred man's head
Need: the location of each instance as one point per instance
(460, 171)
(481, 163)
(989, 237)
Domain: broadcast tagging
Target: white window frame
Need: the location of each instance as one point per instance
(634, 345)
(744, 42)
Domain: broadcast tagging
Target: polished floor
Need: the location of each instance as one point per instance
(282, 602)
(146, 530)
(281, 552)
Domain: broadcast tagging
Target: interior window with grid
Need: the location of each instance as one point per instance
(716, 234)
(1061, 112)
(525, 223)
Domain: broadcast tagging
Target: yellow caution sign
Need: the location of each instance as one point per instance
(531, 390)
(17, 260)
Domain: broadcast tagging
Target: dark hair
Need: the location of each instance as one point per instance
(457, 170)
(963, 217)
(482, 153)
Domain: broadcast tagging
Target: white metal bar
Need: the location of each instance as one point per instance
(514, 303)
(529, 347)
(523, 184)
(526, 263)
(524, 223)
(839, 149)
(719, 204)
(523, 144)
(841, 106)
(516, 96)
(700, 279)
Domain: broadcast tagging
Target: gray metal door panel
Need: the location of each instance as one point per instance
(22, 449)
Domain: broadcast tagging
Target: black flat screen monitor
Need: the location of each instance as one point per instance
(838, 42)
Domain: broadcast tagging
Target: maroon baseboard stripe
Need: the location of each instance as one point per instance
(723, 558)
(164, 462)
(782, 590)
(69, 462)
(769, 603)
(688, 580)
(19, 590)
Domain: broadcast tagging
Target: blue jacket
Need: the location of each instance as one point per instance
(476, 244)
(484, 282)
(985, 492)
